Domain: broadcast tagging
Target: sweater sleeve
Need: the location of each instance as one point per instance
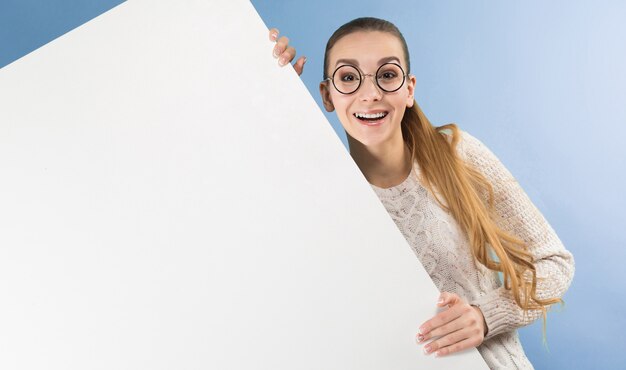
(517, 215)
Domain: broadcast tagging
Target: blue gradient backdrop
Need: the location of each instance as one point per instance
(541, 83)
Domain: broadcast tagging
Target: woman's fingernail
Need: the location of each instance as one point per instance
(440, 301)
(420, 338)
(275, 53)
(304, 61)
(282, 61)
(274, 35)
(427, 349)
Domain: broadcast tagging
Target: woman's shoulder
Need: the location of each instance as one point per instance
(474, 152)
(468, 147)
(470, 142)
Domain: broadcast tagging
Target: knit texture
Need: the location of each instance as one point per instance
(444, 251)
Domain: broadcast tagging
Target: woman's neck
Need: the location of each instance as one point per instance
(383, 166)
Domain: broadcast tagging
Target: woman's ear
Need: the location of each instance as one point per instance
(410, 99)
(326, 99)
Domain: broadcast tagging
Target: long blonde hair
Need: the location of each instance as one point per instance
(461, 187)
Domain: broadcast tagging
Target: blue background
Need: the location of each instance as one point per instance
(541, 83)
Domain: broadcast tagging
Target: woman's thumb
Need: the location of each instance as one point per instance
(447, 299)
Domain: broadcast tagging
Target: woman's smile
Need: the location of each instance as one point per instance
(371, 117)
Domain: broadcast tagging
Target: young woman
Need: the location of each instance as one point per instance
(462, 212)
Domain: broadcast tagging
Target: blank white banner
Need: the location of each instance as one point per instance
(172, 199)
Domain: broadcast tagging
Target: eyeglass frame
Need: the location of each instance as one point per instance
(363, 75)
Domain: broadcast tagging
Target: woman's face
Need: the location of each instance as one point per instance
(367, 51)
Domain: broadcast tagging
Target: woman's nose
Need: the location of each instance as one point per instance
(369, 90)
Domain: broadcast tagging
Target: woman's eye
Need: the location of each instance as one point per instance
(387, 75)
(348, 78)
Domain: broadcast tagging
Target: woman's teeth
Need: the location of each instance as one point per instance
(373, 116)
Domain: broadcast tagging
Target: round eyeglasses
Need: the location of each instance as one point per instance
(347, 78)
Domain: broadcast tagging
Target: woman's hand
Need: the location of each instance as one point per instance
(285, 53)
(459, 327)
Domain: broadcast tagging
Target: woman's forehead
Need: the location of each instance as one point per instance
(366, 48)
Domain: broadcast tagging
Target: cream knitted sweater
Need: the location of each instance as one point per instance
(444, 251)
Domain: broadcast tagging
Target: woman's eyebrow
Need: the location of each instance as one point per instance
(356, 63)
